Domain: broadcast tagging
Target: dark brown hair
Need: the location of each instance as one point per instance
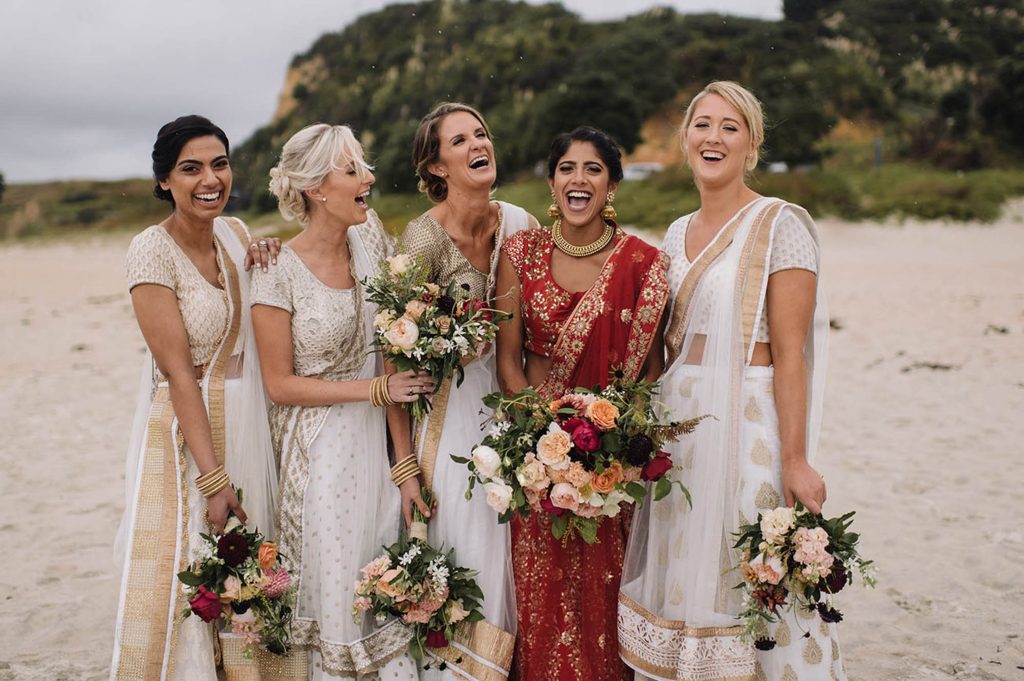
(426, 147)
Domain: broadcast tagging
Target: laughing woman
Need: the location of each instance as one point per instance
(314, 329)
(587, 300)
(458, 241)
(200, 424)
(746, 343)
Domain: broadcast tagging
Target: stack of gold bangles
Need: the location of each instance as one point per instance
(213, 482)
(379, 396)
(404, 470)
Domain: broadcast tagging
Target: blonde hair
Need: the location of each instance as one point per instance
(307, 158)
(426, 147)
(741, 99)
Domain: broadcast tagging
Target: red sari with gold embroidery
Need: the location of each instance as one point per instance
(567, 592)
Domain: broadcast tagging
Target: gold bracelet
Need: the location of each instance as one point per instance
(374, 395)
(214, 473)
(384, 392)
(220, 484)
(405, 469)
(217, 482)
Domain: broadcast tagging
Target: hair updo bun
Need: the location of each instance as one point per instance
(306, 160)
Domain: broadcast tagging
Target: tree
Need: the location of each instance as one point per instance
(3, 186)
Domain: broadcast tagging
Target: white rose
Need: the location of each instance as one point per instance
(775, 524)
(400, 264)
(612, 501)
(231, 524)
(403, 333)
(486, 461)
(499, 495)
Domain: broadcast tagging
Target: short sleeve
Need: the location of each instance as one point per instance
(516, 248)
(420, 240)
(793, 248)
(273, 287)
(150, 261)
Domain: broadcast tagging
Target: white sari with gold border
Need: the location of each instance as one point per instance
(678, 607)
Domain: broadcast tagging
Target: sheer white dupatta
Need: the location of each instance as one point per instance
(678, 607)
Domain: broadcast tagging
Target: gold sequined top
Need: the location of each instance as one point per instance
(427, 242)
(154, 257)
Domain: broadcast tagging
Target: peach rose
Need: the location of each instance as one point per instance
(557, 475)
(403, 333)
(605, 481)
(531, 474)
(631, 474)
(232, 586)
(767, 569)
(602, 414)
(553, 448)
(387, 583)
(456, 612)
(577, 475)
(414, 309)
(383, 319)
(400, 264)
(267, 555)
(444, 322)
(564, 495)
(499, 495)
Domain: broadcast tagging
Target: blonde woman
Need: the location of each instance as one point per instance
(337, 503)
(458, 240)
(746, 342)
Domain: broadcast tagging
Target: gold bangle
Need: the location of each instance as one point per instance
(211, 487)
(384, 392)
(408, 476)
(210, 475)
(373, 392)
(405, 469)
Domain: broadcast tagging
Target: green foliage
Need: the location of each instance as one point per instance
(3, 186)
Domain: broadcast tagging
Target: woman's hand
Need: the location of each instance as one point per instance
(801, 481)
(262, 251)
(410, 491)
(217, 508)
(407, 386)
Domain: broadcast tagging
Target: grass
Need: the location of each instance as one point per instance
(858, 192)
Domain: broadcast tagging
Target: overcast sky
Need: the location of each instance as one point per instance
(85, 84)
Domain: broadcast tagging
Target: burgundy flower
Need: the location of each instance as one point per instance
(639, 449)
(546, 504)
(764, 643)
(232, 549)
(657, 467)
(829, 614)
(836, 580)
(770, 597)
(437, 639)
(586, 437)
(206, 604)
(446, 304)
(571, 424)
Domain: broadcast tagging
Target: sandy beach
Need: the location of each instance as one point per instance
(922, 437)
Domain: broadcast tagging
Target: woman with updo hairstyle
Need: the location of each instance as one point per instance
(200, 427)
(332, 402)
(746, 343)
(458, 241)
(587, 302)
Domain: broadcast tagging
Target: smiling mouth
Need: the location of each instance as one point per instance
(361, 200)
(578, 200)
(208, 199)
(712, 156)
(479, 162)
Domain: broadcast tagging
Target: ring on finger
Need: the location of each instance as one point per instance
(263, 242)
(253, 246)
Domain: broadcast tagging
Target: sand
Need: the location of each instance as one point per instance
(922, 437)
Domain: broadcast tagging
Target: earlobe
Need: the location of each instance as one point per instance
(436, 169)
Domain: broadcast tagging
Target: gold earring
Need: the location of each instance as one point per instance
(608, 212)
(554, 211)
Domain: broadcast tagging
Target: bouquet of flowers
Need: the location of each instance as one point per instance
(795, 558)
(576, 458)
(241, 580)
(421, 585)
(422, 326)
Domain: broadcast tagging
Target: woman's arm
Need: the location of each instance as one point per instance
(273, 328)
(156, 308)
(401, 439)
(654, 365)
(790, 302)
(509, 350)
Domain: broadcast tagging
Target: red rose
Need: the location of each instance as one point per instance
(570, 425)
(657, 467)
(206, 604)
(437, 639)
(586, 437)
(546, 504)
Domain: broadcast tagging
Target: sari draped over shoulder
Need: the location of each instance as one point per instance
(163, 519)
(337, 503)
(677, 606)
(481, 651)
(566, 591)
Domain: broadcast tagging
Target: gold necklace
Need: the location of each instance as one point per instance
(580, 251)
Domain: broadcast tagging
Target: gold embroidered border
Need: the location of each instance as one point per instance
(359, 657)
(215, 377)
(752, 273)
(261, 666)
(680, 309)
(432, 431)
(149, 586)
(650, 308)
(571, 340)
(480, 640)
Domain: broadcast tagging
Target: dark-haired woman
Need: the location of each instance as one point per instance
(458, 240)
(587, 300)
(200, 427)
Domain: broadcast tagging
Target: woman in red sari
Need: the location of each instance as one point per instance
(587, 300)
